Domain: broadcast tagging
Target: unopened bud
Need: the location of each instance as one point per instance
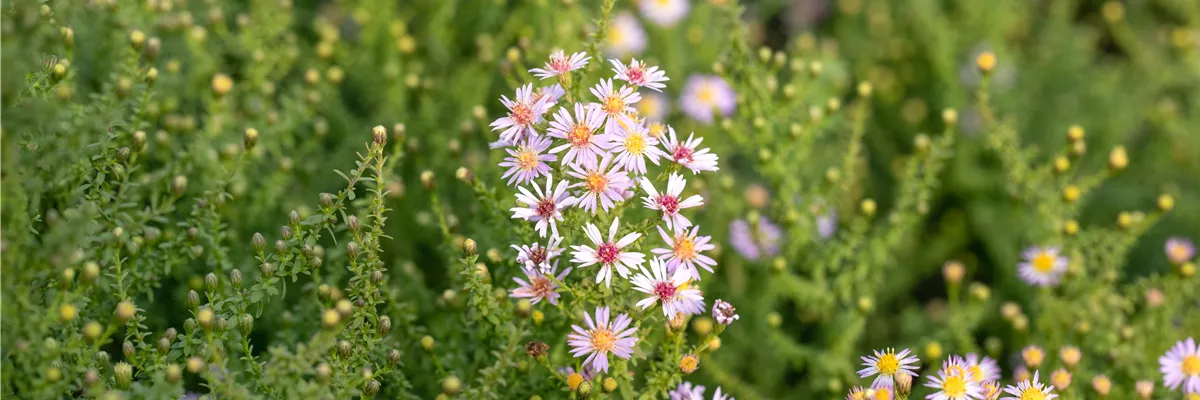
(385, 325)
(379, 135)
(179, 185)
(609, 385)
(323, 372)
(868, 207)
(250, 138)
(137, 39)
(1166, 203)
(986, 61)
(1118, 159)
(245, 324)
(427, 179)
(1102, 385)
(451, 385)
(688, 363)
(235, 278)
(953, 271)
(125, 311)
(1075, 133)
(330, 318)
(427, 343)
(195, 364)
(343, 349)
(464, 174)
(222, 84)
(67, 312)
(205, 318)
(211, 282)
(128, 350)
(174, 373)
(163, 345)
(124, 375)
(372, 388)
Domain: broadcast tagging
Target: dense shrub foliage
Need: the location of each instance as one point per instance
(580, 199)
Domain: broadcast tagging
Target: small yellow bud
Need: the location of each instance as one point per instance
(574, 380)
(538, 317)
(1118, 159)
(1033, 356)
(1113, 11)
(67, 312)
(933, 350)
(953, 271)
(1061, 164)
(427, 343)
(222, 84)
(1061, 379)
(702, 326)
(1071, 193)
(92, 330)
(330, 318)
(1124, 220)
(195, 364)
(986, 61)
(864, 89)
(205, 317)
(1166, 202)
(125, 311)
(1071, 227)
(714, 344)
(1075, 133)
(949, 116)
(1187, 269)
(137, 39)
(1102, 385)
(1070, 356)
(868, 207)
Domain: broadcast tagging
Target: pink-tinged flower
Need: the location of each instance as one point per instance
(687, 154)
(724, 312)
(665, 13)
(672, 290)
(670, 202)
(687, 391)
(526, 162)
(625, 36)
(539, 286)
(653, 107)
(633, 146)
(704, 93)
(603, 337)
(761, 242)
(1029, 389)
(1181, 366)
(616, 104)
(887, 364)
(684, 251)
(982, 369)
(600, 186)
(546, 207)
(1042, 266)
(523, 114)
(583, 145)
(608, 253)
(1180, 250)
(561, 64)
(538, 257)
(638, 74)
(953, 382)
(827, 224)
(550, 94)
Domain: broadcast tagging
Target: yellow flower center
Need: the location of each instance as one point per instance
(1193, 396)
(635, 143)
(1043, 262)
(527, 159)
(883, 393)
(888, 364)
(596, 182)
(954, 386)
(648, 105)
(521, 114)
(1178, 252)
(662, 3)
(685, 249)
(689, 363)
(614, 105)
(603, 339)
(976, 373)
(706, 94)
(1032, 394)
(580, 135)
(1190, 365)
(616, 35)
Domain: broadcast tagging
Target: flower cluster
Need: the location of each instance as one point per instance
(593, 154)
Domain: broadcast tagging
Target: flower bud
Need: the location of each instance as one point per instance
(524, 307)
(1071, 193)
(245, 324)
(221, 84)
(1061, 379)
(1102, 385)
(868, 207)
(385, 325)
(195, 364)
(1166, 203)
(330, 318)
(451, 385)
(163, 345)
(205, 317)
(427, 179)
(393, 357)
(91, 271)
(609, 385)
(986, 61)
(170, 334)
(250, 138)
(91, 377)
(92, 330)
(1145, 389)
(67, 312)
(1187, 269)
(688, 363)
(258, 241)
(153, 47)
(377, 276)
(1118, 159)
(584, 390)
(137, 39)
(345, 308)
(379, 135)
(953, 271)
(427, 343)
(124, 375)
(371, 388)
(464, 174)
(102, 357)
(903, 385)
(125, 311)
(352, 250)
(1033, 356)
(323, 372)
(933, 350)
(128, 350)
(179, 185)
(211, 282)
(174, 373)
(352, 223)
(220, 324)
(343, 349)
(235, 278)
(1071, 227)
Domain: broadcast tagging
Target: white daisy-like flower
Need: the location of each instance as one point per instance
(982, 368)
(625, 36)
(539, 286)
(1042, 266)
(1180, 366)
(887, 364)
(670, 202)
(527, 162)
(687, 154)
(601, 185)
(638, 74)
(538, 257)
(665, 13)
(1029, 390)
(608, 253)
(616, 104)
(603, 336)
(684, 251)
(953, 382)
(523, 114)
(584, 145)
(546, 207)
(672, 290)
(633, 146)
(561, 64)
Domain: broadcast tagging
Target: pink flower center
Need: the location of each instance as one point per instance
(682, 154)
(521, 115)
(536, 255)
(546, 207)
(541, 286)
(636, 75)
(668, 204)
(560, 64)
(664, 290)
(607, 253)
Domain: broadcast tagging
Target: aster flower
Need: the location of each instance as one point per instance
(539, 286)
(721, 396)
(886, 364)
(882, 390)
(953, 382)
(684, 252)
(702, 94)
(603, 336)
(982, 369)
(1180, 250)
(1042, 266)
(560, 64)
(687, 391)
(523, 114)
(857, 393)
(633, 145)
(672, 290)
(670, 202)
(724, 312)
(665, 13)
(608, 253)
(756, 244)
(1029, 389)
(625, 36)
(583, 144)
(638, 74)
(827, 224)
(687, 155)
(538, 257)
(653, 106)
(546, 207)
(550, 94)
(615, 104)
(527, 162)
(1181, 366)
(601, 184)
